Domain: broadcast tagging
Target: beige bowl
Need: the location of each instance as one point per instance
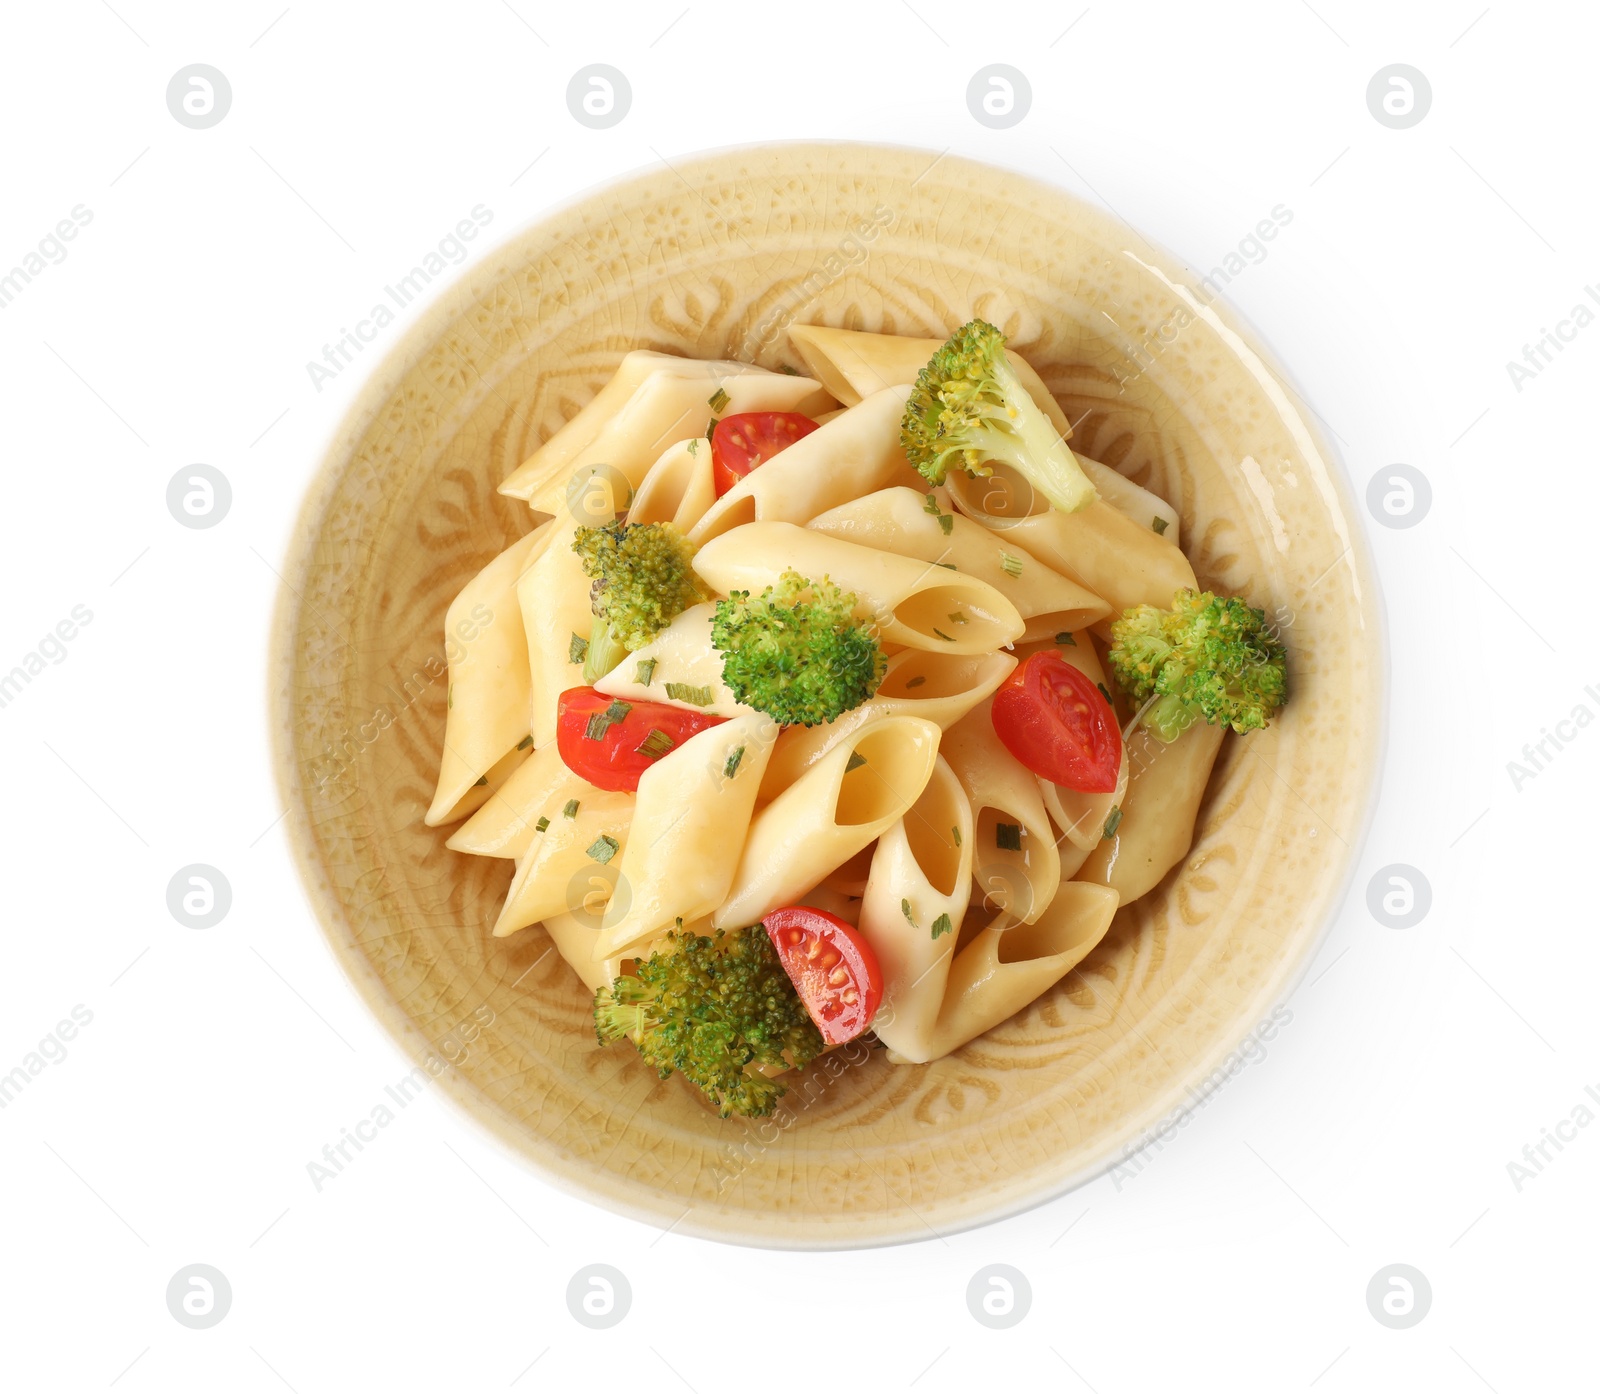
(713, 259)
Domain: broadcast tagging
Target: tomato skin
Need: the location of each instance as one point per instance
(831, 966)
(614, 761)
(749, 438)
(1059, 724)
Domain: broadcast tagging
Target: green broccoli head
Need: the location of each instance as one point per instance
(1209, 657)
(969, 408)
(711, 1008)
(643, 577)
(797, 651)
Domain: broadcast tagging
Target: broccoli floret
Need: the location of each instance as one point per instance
(711, 1008)
(797, 652)
(643, 580)
(969, 407)
(1209, 657)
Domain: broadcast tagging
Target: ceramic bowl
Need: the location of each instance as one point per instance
(714, 258)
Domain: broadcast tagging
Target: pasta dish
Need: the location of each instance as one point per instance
(825, 703)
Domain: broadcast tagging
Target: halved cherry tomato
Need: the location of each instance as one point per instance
(831, 966)
(611, 742)
(1059, 724)
(750, 438)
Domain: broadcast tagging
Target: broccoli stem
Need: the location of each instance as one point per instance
(1026, 440)
(604, 653)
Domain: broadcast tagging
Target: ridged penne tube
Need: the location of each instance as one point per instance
(671, 401)
(679, 488)
(1015, 863)
(548, 870)
(486, 702)
(538, 788)
(689, 823)
(681, 654)
(900, 520)
(1117, 559)
(938, 687)
(914, 603)
(1165, 786)
(553, 596)
(855, 453)
(1008, 965)
(828, 815)
(911, 911)
(851, 365)
(1081, 817)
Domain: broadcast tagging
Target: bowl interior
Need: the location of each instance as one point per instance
(714, 260)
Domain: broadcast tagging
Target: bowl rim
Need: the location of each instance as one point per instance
(724, 1224)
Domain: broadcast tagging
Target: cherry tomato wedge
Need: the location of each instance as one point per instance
(1059, 724)
(750, 438)
(831, 966)
(611, 743)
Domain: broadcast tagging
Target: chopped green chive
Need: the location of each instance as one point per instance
(712, 427)
(915, 682)
(541, 825)
(688, 692)
(855, 762)
(944, 636)
(946, 522)
(525, 742)
(931, 505)
(694, 446)
(1065, 638)
(956, 834)
(947, 565)
(905, 909)
(578, 649)
(645, 671)
(1104, 693)
(718, 401)
(956, 617)
(450, 698)
(655, 745)
(601, 722)
(942, 925)
(1113, 822)
(603, 849)
(1011, 565)
(785, 368)
(1160, 525)
(479, 783)
(1008, 837)
(732, 767)
(571, 809)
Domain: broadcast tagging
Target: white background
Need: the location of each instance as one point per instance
(1418, 1062)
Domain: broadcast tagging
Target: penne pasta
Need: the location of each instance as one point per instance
(688, 829)
(914, 603)
(1007, 965)
(941, 688)
(575, 935)
(843, 802)
(1165, 786)
(912, 909)
(505, 825)
(550, 877)
(678, 489)
(486, 702)
(1016, 866)
(553, 597)
(667, 399)
(852, 365)
(855, 453)
(1098, 547)
(905, 522)
(680, 657)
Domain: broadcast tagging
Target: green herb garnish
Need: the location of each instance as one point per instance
(1008, 837)
(603, 849)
